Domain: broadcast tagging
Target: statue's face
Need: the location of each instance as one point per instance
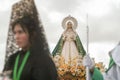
(69, 25)
(21, 37)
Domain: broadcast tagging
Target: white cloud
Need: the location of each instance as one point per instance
(55, 17)
(6, 4)
(2, 55)
(97, 8)
(116, 3)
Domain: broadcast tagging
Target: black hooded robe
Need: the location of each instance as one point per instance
(39, 67)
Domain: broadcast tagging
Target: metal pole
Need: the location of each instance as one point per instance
(87, 69)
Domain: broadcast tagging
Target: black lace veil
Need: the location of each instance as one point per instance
(19, 10)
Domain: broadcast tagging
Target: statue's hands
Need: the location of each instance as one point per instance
(88, 62)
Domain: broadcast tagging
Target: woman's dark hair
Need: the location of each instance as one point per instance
(35, 31)
(27, 24)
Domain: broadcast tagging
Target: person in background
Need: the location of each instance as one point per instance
(113, 71)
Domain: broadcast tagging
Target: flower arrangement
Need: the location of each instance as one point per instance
(74, 70)
(100, 66)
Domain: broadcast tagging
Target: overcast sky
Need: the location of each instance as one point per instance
(103, 21)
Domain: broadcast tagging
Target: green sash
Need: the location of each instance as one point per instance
(16, 75)
(110, 64)
(97, 75)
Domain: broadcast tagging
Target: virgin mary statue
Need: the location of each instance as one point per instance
(69, 45)
(68, 53)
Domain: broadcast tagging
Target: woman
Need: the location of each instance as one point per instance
(33, 62)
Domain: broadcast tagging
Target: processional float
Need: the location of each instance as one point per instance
(69, 52)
